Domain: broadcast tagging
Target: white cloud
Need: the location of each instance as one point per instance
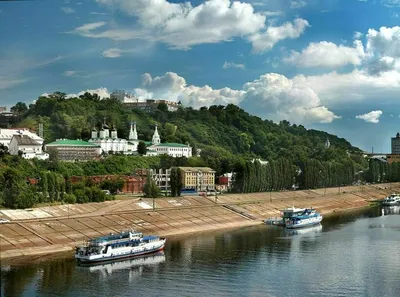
(385, 42)
(98, 13)
(112, 53)
(70, 73)
(327, 54)
(276, 97)
(272, 96)
(67, 10)
(181, 25)
(391, 3)
(371, 117)
(101, 92)
(263, 42)
(232, 65)
(358, 35)
(297, 4)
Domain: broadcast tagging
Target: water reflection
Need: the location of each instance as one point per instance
(309, 231)
(391, 210)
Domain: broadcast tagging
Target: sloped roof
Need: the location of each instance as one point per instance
(25, 140)
(68, 142)
(196, 169)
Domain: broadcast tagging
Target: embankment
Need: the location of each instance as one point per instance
(59, 228)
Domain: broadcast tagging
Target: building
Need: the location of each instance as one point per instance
(7, 134)
(161, 177)
(150, 105)
(396, 144)
(108, 140)
(224, 182)
(132, 184)
(198, 178)
(3, 108)
(74, 150)
(171, 149)
(27, 146)
(393, 158)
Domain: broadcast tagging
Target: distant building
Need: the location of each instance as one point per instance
(109, 141)
(150, 104)
(7, 134)
(169, 148)
(162, 177)
(198, 178)
(396, 144)
(393, 158)
(27, 146)
(224, 182)
(74, 150)
(3, 108)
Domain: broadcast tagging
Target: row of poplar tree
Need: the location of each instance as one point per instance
(282, 174)
(381, 172)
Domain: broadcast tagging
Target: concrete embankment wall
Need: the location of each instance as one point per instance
(59, 228)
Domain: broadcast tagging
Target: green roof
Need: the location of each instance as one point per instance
(67, 142)
(172, 144)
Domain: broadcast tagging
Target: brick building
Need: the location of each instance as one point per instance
(132, 185)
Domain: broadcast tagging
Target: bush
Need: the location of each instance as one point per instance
(70, 198)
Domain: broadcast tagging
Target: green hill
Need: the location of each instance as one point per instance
(218, 130)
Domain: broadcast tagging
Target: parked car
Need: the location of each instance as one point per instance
(2, 221)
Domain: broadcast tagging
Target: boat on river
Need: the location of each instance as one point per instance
(126, 244)
(308, 218)
(391, 200)
(286, 214)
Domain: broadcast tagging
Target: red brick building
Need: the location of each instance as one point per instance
(132, 185)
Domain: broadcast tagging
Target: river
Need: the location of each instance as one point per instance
(355, 254)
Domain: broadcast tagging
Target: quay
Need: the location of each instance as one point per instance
(52, 229)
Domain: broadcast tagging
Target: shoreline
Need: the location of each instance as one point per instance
(50, 230)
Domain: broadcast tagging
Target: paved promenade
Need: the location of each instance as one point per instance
(59, 228)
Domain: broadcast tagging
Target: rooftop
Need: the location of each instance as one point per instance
(196, 169)
(68, 142)
(25, 140)
(172, 144)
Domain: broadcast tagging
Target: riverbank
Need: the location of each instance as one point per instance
(59, 228)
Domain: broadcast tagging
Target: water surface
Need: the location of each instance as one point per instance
(349, 255)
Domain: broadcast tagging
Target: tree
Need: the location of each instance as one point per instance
(3, 150)
(141, 149)
(150, 188)
(162, 107)
(176, 181)
(19, 108)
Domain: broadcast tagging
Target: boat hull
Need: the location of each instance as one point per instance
(305, 223)
(390, 203)
(84, 261)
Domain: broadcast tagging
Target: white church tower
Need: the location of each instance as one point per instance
(133, 133)
(327, 143)
(156, 137)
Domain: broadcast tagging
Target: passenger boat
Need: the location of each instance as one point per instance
(393, 199)
(309, 218)
(117, 246)
(286, 213)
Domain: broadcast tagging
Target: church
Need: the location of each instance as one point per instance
(169, 148)
(109, 142)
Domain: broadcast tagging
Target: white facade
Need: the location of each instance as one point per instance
(29, 147)
(109, 141)
(170, 149)
(7, 134)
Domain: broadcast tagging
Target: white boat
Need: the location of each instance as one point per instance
(309, 218)
(286, 213)
(393, 199)
(117, 246)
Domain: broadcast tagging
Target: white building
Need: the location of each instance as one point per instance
(27, 146)
(171, 149)
(109, 141)
(7, 134)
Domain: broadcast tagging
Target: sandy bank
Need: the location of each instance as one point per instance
(59, 228)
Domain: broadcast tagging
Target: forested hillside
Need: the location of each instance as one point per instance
(217, 130)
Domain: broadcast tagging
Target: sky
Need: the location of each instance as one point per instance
(332, 65)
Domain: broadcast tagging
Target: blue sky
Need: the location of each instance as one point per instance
(332, 65)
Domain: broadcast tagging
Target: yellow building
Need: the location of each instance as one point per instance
(198, 178)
